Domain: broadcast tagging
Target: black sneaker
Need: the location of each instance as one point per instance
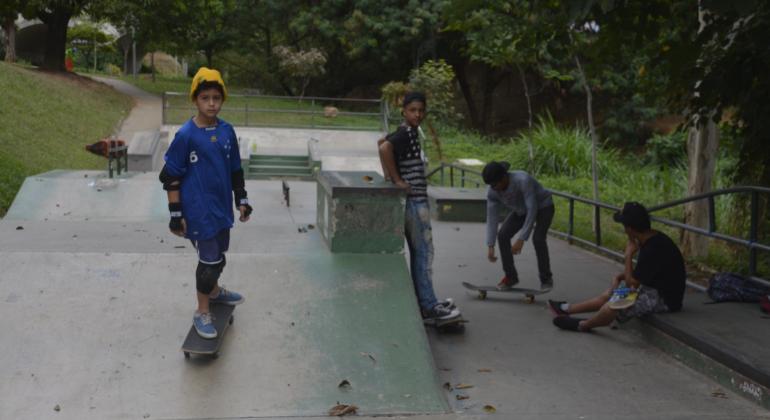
(440, 312)
(567, 323)
(555, 307)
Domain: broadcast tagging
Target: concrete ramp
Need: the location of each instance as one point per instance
(96, 311)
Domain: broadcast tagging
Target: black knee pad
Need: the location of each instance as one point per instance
(206, 276)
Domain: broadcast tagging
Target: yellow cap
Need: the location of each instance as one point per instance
(206, 74)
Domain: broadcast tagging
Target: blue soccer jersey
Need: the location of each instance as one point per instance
(205, 158)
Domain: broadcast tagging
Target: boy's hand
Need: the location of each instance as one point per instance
(404, 185)
(616, 280)
(176, 224)
(245, 212)
(491, 254)
(517, 246)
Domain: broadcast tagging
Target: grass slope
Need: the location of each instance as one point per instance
(47, 120)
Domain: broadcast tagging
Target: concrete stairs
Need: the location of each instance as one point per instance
(281, 167)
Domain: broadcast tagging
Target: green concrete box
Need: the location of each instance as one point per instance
(359, 212)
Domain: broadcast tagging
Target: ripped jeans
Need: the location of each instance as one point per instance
(419, 238)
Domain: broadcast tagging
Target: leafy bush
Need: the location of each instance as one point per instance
(436, 80)
(667, 149)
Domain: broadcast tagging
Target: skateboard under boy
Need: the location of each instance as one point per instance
(456, 324)
(222, 317)
(622, 298)
(528, 293)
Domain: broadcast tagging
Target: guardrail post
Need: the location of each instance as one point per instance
(571, 225)
(451, 176)
(442, 174)
(712, 215)
(163, 109)
(753, 232)
(462, 178)
(598, 224)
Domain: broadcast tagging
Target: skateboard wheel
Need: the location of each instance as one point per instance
(232, 318)
(215, 355)
(482, 294)
(187, 355)
(530, 298)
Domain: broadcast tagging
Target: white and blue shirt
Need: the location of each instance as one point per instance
(205, 159)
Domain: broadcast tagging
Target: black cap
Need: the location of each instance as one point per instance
(414, 97)
(493, 172)
(633, 215)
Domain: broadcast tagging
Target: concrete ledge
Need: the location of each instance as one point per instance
(142, 150)
(734, 365)
(449, 204)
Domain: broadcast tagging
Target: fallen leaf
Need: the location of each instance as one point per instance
(461, 397)
(57, 408)
(447, 386)
(345, 385)
(342, 410)
(463, 386)
(490, 409)
(19, 227)
(719, 394)
(485, 370)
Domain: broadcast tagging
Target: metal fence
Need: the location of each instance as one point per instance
(286, 111)
(751, 244)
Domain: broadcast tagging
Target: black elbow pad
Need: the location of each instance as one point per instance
(170, 183)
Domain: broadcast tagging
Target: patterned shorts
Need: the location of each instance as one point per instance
(648, 301)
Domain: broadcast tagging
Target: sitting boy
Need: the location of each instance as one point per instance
(659, 277)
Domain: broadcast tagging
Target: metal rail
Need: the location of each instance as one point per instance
(751, 244)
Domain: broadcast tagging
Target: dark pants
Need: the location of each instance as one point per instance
(511, 225)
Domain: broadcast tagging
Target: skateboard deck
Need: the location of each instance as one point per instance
(482, 291)
(622, 298)
(194, 344)
(444, 325)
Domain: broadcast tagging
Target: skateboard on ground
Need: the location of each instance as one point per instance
(482, 291)
(194, 344)
(456, 324)
(622, 298)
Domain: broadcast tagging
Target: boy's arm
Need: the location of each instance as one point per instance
(628, 273)
(389, 163)
(385, 173)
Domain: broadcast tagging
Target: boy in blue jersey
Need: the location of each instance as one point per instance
(202, 174)
(402, 163)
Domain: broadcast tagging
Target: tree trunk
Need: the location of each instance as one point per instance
(9, 27)
(56, 38)
(529, 116)
(591, 129)
(209, 52)
(462, 79)
(152, 65)
(702, 144)
(436, 140)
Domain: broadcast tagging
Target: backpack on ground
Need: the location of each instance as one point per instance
(731, 287)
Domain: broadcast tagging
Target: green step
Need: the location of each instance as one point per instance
(269, 175)
(278, 162)
(280, 157)
(301, 170)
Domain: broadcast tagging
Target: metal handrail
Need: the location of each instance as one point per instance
(751, 244)
(246, 111)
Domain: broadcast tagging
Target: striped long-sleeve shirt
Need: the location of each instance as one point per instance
(408, 157)
(524, 196)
